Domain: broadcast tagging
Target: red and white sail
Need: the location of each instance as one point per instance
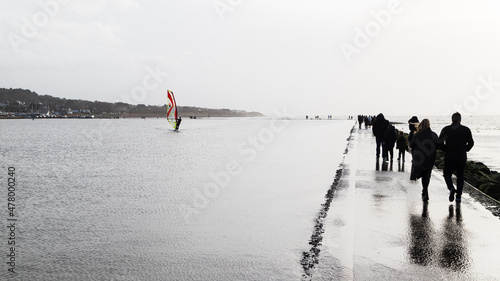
(171, 109)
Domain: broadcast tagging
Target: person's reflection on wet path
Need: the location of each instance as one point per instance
(454, 253)
(386, 166)
(401, 167)
(421, 234)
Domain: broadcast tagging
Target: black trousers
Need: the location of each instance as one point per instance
(426, 179)
(401, 154)
(380, 145)
(454, 162)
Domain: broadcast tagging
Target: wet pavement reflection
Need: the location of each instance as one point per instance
(421, 237)
(389, 233)
(401, 166)
(454, 253)
(386, 166)
(449, 247)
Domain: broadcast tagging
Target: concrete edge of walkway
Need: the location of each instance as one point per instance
(484, 199)
(488, 202)
(310, 258)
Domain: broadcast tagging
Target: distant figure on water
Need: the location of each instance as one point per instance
(178, 123)
(457, 142)
(379, 128)
(172, 115)
(402, 146)
(423, 145)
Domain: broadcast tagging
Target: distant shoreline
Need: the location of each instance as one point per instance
(121, 116)
(26, 103)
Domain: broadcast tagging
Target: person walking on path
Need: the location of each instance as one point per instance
(389, 140)
(457, 141)
(379, 128)
(423, 145)
(412, 125)
(401, 145)
(360, 120)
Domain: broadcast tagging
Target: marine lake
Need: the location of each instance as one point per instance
(131, 199)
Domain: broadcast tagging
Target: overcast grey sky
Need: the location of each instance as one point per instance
(313, 57)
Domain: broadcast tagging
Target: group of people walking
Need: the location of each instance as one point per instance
(386, 138)
(455, 140)
(367, 119)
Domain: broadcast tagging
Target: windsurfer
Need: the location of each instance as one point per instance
(178, 123)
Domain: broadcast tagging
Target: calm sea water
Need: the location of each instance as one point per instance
(131, 199)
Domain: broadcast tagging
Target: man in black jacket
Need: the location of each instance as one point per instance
(379, 128)
(457, 142)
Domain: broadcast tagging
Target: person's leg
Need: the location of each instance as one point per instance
(426, 179)
(447, 172)
(449, 167)
(384, 151)
(460, 180)
(379, 142)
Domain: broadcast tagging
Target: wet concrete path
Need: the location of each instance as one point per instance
(378, 227)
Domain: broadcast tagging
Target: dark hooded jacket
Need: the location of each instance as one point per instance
(412, 127)
(457, 139)
(401, 143)
(423, 145)
(390, 137)
(380, 126)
